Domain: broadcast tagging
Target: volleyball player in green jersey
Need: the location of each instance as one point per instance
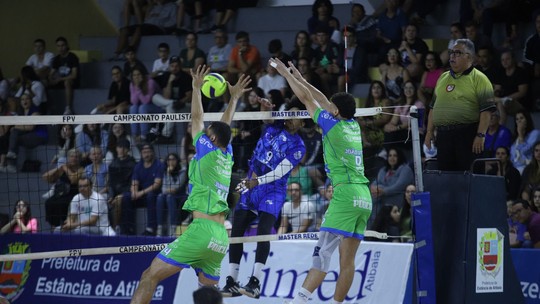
(204, 244)
(345, 221)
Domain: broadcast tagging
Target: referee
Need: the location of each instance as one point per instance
(460, 111)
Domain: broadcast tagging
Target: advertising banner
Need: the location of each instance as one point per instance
(527, 264)
(77, 279)
(382, 270)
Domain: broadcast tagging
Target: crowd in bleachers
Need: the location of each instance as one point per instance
(384, 50)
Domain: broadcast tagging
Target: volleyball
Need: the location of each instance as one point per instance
(214, 85)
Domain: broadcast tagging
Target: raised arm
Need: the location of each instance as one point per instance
(300, 90)
(236, 92)
(197, 113)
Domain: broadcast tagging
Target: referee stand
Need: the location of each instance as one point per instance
(462, 251)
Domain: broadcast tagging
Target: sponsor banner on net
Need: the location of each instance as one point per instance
(381, 274)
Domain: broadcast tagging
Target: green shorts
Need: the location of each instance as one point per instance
(203, 246)
(349, 211)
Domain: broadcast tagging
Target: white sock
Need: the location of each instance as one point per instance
(233, 270)
(302, 296)
(257, 270)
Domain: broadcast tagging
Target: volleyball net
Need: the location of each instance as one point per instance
(42, 171)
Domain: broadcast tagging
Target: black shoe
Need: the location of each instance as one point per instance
(231, 289)
(252, 289)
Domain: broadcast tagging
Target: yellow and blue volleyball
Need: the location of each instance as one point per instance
(214, 85)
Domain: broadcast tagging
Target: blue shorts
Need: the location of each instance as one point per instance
(268, 198)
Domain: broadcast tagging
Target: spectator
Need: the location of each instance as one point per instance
(390, 28)
(512, 177)
(160, 19)
(392, 180)
(300, 175)
(4, 89)
(120, 176)
(396, 131)
(225, 11)
(22, 221)
(531, 59)
(457, 31)
(88, 212)
(313, 161)
(356, 62)
(187, 149)
(387, 221)
(28, 136)
(304, 67)
(405, 220)
(511, 85)
(328, 60)
(298, 213)
(65, 179)
(4, 139)
(275, 48)
(365, 28)
(372, 126)
(207, 295)
(30, 83)
(516, 230)
(487, 12)
(219, 54)
(161, 64)
(65, 72)
(132, 62)
(119, 95)
(117, 133)
(302, 48)
(65, 139)
(536, 198)
(479, 40)
(322, 17)
(531, 174)
(41, 60)
(136, 8)
(176, 92)
(497, 135)
(91, 135)
(322, 202)
(173, 180)
(142, 88)
(272, 81)
(393, 74)
(531, 219)
(145, 186)
(192, 56)
(486, 64)
(97, 172)
(249, 132)
(196, 9)
(525, 136)
(460, 111)
(432, 71)
(245, 58)
(277, 99)
(413, 49)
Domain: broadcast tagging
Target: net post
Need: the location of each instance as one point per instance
(417, 159)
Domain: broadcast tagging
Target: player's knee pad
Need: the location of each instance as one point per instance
(322, 254)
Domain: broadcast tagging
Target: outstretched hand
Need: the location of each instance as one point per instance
(240, 87)
(279, 66)
(265, 103)
(198, 76)
(246, 185)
